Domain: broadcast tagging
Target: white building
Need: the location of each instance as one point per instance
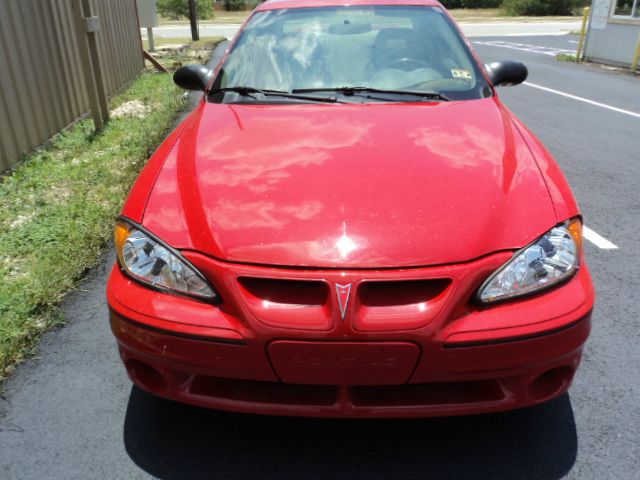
(614, 31)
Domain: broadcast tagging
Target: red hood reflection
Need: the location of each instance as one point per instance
(350, 186)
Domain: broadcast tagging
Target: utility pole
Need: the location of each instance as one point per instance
(152, 44)
(193, 16)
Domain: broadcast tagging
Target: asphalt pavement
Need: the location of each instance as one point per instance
(71, 412)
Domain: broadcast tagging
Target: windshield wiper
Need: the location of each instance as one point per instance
(351, 91)
(248, 91)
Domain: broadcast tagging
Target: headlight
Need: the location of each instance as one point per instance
(148, 260)
(552, 258)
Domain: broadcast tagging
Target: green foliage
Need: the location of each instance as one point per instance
(251, 4)
(177, 9)
(565, 57)
(471, 3)
(540, 7)
(522, 7)
(234, 5)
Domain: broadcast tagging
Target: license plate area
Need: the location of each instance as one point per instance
(343, 363)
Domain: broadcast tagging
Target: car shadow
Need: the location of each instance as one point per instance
(169, 440)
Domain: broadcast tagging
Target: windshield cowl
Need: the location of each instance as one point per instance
(257, 93)
(246, 94)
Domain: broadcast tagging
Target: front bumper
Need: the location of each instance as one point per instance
(461, 360)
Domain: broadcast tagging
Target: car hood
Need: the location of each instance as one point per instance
(350, 186)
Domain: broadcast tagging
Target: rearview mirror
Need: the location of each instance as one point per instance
(192, 77)
(349, 28)
(506, 73)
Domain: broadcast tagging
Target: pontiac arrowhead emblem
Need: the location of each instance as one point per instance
(343, 291)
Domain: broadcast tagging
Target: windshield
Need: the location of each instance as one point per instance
(397, 48)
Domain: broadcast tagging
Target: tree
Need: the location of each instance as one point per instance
(541, 7)
(471, 3)
(177, 9)
(234, 5)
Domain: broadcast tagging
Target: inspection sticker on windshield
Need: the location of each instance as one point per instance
(459, 73)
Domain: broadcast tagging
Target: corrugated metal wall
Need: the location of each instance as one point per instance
(614, 44)
(42, 87)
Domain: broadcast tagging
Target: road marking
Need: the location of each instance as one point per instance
(525, 47)
(582, 99)
(598, 240)
(493, 34)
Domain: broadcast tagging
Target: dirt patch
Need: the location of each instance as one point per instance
(134, 108)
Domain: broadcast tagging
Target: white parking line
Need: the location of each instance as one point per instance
(514, 34)
(525, 47)
(585, 100)
(598, 240)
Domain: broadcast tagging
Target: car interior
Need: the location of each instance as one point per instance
(383, 49)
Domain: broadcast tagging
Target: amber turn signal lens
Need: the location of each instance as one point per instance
(120, 235)
(575, 229)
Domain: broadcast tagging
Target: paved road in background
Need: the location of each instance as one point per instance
(72, 413)
(470, 29)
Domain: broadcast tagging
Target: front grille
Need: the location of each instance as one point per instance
(371, 305)
(284, 303)
(292, 292)
(407, 292)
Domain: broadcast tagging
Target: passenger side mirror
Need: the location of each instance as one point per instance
(193, 77)
(507, 73)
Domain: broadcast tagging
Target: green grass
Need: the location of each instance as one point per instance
(57, 210)
(566, 57)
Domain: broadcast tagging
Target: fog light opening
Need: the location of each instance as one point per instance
(551, 383)
(145, 376)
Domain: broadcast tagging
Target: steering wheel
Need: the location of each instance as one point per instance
(408, 63)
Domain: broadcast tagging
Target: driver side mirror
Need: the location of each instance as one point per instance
(193, 77)
(506, 73)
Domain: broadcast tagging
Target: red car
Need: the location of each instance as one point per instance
(351, 224)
